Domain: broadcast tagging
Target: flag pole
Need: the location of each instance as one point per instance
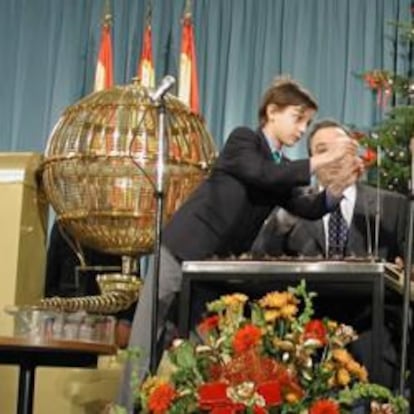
(104, 65)
(188, 79)
(145, 70)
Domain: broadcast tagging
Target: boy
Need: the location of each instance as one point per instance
(251, 176)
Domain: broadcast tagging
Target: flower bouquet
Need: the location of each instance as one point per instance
(277, 359)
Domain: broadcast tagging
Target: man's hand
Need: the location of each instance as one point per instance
(346, 173)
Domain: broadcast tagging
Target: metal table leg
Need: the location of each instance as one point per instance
(26, 389)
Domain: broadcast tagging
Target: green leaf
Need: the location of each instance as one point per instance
(183, 356)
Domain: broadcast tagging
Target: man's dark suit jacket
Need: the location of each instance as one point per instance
(225, 213)
(298, 237)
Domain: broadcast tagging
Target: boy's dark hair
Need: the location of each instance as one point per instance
(322, 124)
(285, 92)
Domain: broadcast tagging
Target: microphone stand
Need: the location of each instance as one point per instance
(407, 279)
(377, 207)
(159, 194)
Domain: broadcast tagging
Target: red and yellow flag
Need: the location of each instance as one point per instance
(146, 65)
(104, 67)
(188, 81)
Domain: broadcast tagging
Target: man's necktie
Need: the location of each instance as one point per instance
(277, 157)
(338, 233)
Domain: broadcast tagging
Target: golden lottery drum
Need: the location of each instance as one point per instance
(99, 170)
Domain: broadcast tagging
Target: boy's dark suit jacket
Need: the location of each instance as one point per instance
(225, 213)
(307, 238)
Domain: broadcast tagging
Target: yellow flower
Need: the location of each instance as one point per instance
(283, 345)
(276, 300)
(271, 315)
(341, 355)
(357, 369)
(331, 325)
(328, 366)
(237, 299)
(343, 377)
(289, 311)
(363, 374)
(291, 398)
(150, 384)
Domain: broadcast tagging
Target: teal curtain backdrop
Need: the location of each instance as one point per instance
(48, 51)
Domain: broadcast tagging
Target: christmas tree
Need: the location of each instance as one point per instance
(389, 144)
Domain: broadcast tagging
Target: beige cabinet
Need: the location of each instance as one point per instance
(23, 224)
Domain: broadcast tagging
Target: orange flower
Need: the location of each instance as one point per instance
(161, 398)
(324, 407)
(315, 329)
(246, 338)
(208, 324)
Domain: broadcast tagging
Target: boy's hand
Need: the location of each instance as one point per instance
(340, 148)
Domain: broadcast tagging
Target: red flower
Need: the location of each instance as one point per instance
(213, 396)
(290, 385)
(369, 156)
(246, 338)
(324, 407)
(315, 329)
(271, 392)
(160, 399)
(208, 324)
(378, 80)
(212, 393)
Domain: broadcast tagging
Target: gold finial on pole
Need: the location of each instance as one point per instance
(187, 8)
(148, 15)
(106, 15)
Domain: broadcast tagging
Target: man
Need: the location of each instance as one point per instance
(224, 214)
(361, 206)
(373, 224)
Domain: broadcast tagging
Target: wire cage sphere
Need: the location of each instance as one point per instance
(100, 166)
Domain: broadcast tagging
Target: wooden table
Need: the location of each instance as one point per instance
(29, 353)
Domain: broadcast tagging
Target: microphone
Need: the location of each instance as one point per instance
(165, 85)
